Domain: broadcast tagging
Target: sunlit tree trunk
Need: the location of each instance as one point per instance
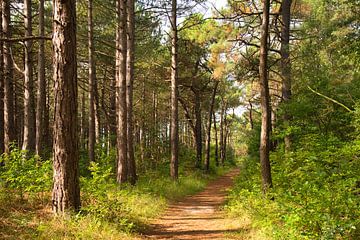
(121, 41)
(265, 100)
(1, 84)
(29, 114)
(129, 90)
(174, 126)
(41, 85)
(9, 120)
(66, 191)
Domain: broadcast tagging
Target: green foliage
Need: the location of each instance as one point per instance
(25, 173)
(316, 192)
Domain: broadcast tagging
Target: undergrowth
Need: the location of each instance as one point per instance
(316, 193)
(108, 211)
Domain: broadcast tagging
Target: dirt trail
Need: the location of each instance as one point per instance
(197, 216)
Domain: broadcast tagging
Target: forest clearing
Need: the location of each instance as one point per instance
(180, 119)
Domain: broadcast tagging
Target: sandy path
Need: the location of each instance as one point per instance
(197, 216)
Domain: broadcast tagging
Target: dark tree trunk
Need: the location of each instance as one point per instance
(9, 120)
(129, 92)
(174, 125)
(198, 129)
(216, 141)
(265, 100)
(208, 135)
(121, 40)
(92, 84)
(222, 132)
(66, 191)
(41, 86)
(251, 120)
(286, 65)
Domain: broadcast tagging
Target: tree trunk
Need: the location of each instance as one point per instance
(198, 129)
(208, 135)
(92, 82)
(222, 132)
(286, 65)
(216, 141)
(251, 116)
(41, 85)
(174, 135)
(29, 114)
(265, 100)
(66, 191)
(9, 120)
(129, 92)
(121, 41)
(1, 84)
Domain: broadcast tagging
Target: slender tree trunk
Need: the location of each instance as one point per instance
(265, 100)
(208, 135)
(286, 65)
(2, 147)
(222, 132)
(9, 120)
(198, 129)
(41, 84)
(216, 141)
(129, 90)
(92, 82)
(66, 190)
(174, 135)
(112, 114)
(121, 39)
(48, 139)
(29, 114)
(224, 140)
(83, 123)
(251, 115)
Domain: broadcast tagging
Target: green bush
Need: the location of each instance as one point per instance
(25, 173)
(316, 192)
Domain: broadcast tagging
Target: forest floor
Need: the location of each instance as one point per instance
(200, 216)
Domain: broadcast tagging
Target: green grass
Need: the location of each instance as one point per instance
(108, 211)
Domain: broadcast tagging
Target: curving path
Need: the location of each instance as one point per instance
(197, 216)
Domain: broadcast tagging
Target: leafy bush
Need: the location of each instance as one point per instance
(316, 192)
(25, 173)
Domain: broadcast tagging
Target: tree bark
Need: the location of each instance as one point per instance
(223, 132)
(9, 120)
(129, 90)
(208, 135)
(121, 40)
(2, 147)
(286, 65)
(216, 141)
(29, 114)
(174, 135)
(265, 100)
(198, 128)
(66, 190)
(251, 116)
(92, 83)
(41, 85)
(83, 128)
